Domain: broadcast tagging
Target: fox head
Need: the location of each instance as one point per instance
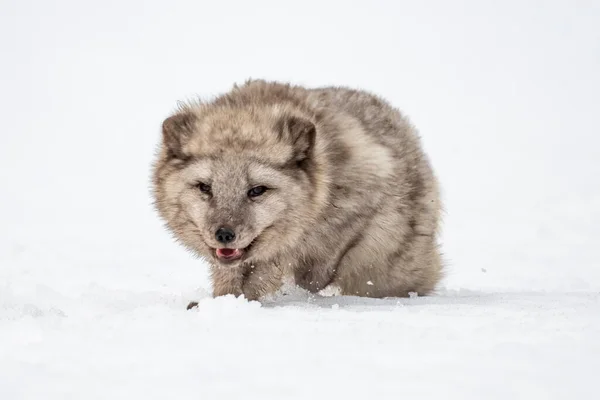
(237, 184)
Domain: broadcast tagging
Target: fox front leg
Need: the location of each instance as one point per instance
(227, 280)
(314, 275)
(261, 280)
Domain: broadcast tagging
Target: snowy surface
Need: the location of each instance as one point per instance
(93, 291)
(105, 343)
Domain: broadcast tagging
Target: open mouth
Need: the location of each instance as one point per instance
(229, 255)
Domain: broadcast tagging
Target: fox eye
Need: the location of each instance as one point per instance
(204, 188)
(257, 191)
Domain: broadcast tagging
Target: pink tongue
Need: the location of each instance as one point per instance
(228, 253)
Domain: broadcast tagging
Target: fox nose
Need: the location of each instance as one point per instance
(225, 235)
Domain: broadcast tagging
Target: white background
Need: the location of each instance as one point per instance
(506, 95)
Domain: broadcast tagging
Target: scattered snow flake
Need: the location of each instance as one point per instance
(331, 290)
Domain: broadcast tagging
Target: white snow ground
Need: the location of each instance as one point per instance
(93, 292)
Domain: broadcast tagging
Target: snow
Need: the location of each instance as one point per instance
(93, 291)
(107, 343)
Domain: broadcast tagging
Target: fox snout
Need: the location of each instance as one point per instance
(226, 237)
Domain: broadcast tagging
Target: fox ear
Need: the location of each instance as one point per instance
(177, 130)
(301, 133)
